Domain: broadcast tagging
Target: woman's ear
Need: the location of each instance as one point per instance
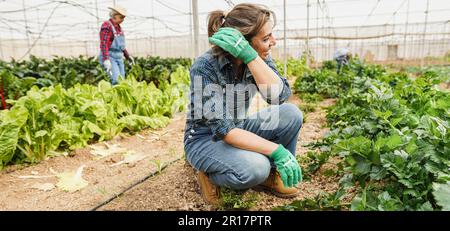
(251, 41)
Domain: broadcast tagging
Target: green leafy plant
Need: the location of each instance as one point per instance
(237, 200)
(392, 133)
(16, 78)
(321, 202)
(311, 97)
(313, 161)
(307, 107)
(54, 118)
(295, 67)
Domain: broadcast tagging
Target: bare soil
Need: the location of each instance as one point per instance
(172, 188)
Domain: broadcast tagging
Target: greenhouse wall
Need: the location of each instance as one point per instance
(370, 42)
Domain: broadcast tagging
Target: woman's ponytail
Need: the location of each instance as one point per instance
(248, 18)
(215, 21)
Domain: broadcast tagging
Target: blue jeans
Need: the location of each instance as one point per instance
(341, 62)
(118, 68)
(238, 169)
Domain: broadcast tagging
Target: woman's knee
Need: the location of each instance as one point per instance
(254, 174)
(291, 115)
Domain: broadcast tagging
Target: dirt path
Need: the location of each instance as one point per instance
(157, 148)
(174, 188)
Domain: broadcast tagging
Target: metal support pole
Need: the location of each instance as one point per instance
(317, 34)
(196, 27)
(406, 31)
(98, 22)
(38, 19)
(96, 13)
(446, 46)
(12, 40)
(424, 35)
(307, 33)
(1, 50)
(322, 30)
(26, 23)
(191, 34)
(153, 29)
(86, 48)
(384, 43)
(284, 39)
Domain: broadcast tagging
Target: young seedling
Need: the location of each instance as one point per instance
(172, 152)
(102, 191)
(237, 200)
(159, 165)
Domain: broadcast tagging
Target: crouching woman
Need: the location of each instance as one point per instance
(228, 147)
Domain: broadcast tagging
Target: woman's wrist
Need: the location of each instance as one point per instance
(248, 54)
(262, 73)
(271, 148)
(278, 153)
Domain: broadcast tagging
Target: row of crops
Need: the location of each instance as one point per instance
(389, 129)
(63, 104)
(16, 78)
(391, 133)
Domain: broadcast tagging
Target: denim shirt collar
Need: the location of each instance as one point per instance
(223, 61)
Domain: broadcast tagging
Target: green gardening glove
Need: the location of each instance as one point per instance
(287, 166)
(232, 41)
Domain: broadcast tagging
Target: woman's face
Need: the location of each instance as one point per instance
(118, 18)
(264, 41)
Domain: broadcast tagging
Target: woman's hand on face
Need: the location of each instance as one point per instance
(232, 41)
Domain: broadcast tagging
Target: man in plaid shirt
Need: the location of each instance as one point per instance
(112, 45)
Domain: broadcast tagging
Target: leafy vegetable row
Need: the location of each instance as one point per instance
(52, 119)
(392, 133)
(16, 78)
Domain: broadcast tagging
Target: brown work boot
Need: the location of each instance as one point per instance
(274, 185)
(209, 191)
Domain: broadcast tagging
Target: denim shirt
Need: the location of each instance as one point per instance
(211, 78)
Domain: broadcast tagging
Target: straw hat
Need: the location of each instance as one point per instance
(119, 9)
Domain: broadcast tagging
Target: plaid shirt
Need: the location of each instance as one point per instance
(107, 37)
(217, 71)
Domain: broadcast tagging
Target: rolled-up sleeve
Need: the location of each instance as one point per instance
(285, 91)
(208, 99)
